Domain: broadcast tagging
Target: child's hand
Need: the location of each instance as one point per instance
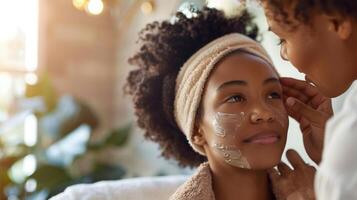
(293, 184)
(311, 109)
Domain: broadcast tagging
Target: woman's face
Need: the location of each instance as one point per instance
(316, 50)
(243, 120)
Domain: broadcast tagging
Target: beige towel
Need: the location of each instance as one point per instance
(197, 187)
(195, 72)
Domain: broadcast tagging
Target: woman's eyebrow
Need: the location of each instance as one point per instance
(230, 83)
(271, 80)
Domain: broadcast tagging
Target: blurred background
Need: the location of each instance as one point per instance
(64, 118)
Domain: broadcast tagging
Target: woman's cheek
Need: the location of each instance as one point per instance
(226, 128)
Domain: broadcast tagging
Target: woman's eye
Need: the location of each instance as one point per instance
(274, 95)
(235, 99)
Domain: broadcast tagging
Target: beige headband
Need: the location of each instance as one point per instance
(193, 75)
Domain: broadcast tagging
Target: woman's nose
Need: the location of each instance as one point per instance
(260, 116)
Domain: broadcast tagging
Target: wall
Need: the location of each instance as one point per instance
(79, 53)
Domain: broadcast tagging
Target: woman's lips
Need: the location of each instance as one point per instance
(263, 138)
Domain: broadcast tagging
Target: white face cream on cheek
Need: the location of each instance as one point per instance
(226, 127)
(226, 124)
(232, 155)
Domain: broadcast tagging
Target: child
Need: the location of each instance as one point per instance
(319, 38)
(208, 93)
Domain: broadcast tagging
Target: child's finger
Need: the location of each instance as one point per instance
(310, 92)
(284, 169)
(291, 92)
(305, 111)
(294, 158)
(274, 175)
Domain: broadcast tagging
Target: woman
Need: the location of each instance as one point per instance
(208, 93)
(319, 38)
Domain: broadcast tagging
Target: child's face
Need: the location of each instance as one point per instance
(243, 120)
(315, 49)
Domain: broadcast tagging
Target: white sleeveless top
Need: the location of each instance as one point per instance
(336, 177)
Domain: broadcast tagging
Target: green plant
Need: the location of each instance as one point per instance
(61, 121)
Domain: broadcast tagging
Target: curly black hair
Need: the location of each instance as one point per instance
(302, 9)
(165, 48)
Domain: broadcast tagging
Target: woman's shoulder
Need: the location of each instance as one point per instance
(198, 186)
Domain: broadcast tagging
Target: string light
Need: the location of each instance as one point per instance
(147, 7)
(95, 7)
(31, 78)
(231, 8)
(79, 4)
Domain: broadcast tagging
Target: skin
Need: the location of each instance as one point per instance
(255, 90)
(324, 49)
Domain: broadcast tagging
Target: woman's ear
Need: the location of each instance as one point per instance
(341, 25)
(198, 137)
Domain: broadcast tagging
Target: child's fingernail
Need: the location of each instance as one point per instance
(290, 101)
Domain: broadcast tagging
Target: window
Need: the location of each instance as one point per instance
(18, 50)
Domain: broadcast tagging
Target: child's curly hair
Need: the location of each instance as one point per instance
(166, 46)
(302, 9)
